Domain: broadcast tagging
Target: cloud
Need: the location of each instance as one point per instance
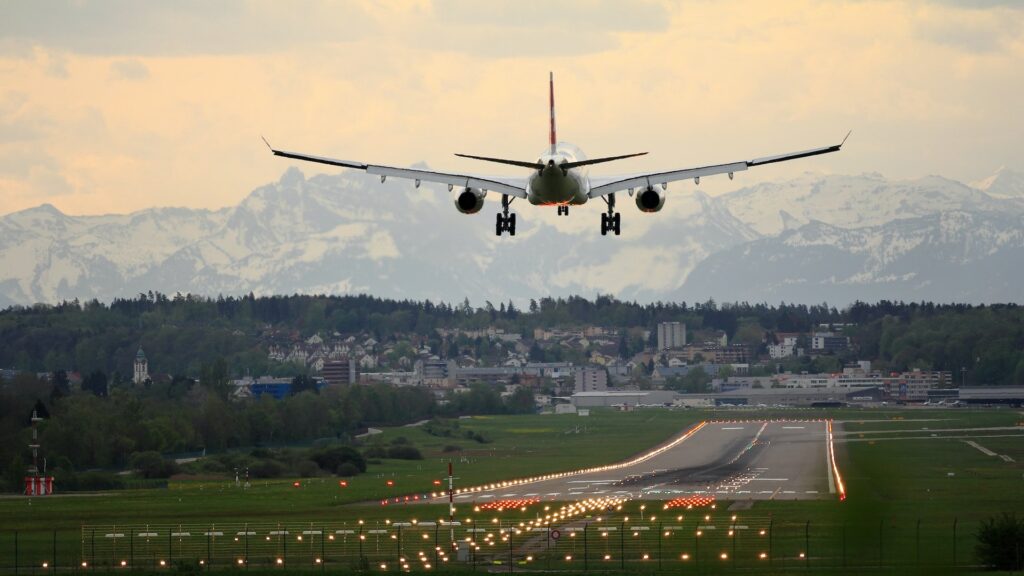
(974, 31)
(129, 70)
(129, 27)
(400, 82)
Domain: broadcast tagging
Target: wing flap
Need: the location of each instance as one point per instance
(464, 180)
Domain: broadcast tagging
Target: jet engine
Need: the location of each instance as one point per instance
(650, 200)
(470, 200)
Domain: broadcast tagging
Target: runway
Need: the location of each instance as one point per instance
(755, 460)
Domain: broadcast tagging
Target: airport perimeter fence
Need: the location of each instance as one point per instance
(697, 544)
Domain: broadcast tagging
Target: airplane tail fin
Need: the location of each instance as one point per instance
(551, 102)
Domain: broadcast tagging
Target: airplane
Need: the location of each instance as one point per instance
(556, 178)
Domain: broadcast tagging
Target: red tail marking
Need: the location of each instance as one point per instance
(551, 101)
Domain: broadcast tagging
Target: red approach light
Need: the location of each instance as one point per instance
(691, 502)
(437, 482)
(501, 505)
(343, 484)
(297, 484)
(390, 482)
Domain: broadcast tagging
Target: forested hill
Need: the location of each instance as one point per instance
(184, 334)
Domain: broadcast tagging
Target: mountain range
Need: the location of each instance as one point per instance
(814, 238)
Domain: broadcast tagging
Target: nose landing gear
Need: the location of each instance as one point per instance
(563, 210)
(611, 221)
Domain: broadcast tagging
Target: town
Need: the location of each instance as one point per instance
(566, 369)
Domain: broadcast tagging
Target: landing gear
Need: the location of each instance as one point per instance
(563, 210)
(611, 220)
(505, 222)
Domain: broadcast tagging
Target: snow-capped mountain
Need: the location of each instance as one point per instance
(951, 256)
(853, 201)
(815, 238)
(349, 233)
(1004, 183)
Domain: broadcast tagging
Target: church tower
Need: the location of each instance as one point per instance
(141, 372)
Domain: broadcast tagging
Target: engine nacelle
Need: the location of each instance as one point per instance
(650, 200)
(470, 200)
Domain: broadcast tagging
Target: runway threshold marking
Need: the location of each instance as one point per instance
(980, 448)
(793, 427)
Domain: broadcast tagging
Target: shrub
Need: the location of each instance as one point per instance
(89, 481)
(1001, 542)
(261, 453)
(307, 469)
(152, 465)
(266, 469)
(405, 453)
(451, 448)
(375, 451)
(347, 470)
(332, 458)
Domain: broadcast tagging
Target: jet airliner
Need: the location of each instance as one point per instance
(557, 178)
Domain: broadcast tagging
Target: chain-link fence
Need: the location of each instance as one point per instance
(697, 541)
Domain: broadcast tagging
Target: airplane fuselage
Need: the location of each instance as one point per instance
(554, 186)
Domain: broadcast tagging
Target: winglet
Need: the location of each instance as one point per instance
(845, 137)
(267, 143)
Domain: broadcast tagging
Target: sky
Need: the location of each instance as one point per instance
(120, 105)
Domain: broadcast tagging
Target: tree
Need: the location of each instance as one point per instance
(96, 382)
(536, 353)
(1001, 542)
(61, 386)
(696, 380)
(303, 383)
(521, 401)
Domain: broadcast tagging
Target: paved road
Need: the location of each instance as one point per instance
(735, 461)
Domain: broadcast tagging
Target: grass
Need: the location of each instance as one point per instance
(904, 494)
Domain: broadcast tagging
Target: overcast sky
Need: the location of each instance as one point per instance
(114, 106)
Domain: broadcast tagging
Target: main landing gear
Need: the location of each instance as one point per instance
(611, 220)
(563, 210)
(505, 221)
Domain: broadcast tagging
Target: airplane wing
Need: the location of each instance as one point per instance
(489, 184)
(656, 178)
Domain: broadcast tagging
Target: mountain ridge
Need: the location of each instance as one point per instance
(350, 233)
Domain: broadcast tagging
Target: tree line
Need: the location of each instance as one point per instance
(185, 333)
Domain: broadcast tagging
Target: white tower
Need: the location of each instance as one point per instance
(141, 372)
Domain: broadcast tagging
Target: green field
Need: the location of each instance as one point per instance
(906, 490)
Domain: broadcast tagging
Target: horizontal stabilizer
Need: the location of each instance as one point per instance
(539, 166)
(569, 165)
(533, 165)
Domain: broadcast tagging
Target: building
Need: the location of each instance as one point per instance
(591, 379)
(338, 372)
(623, 398)
(915, 386)
(140, 372)
(434, 369)
(820, 397)
(785, 349)
(828, 343)
(671, 335)
(486, 375)
(1011, 395)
